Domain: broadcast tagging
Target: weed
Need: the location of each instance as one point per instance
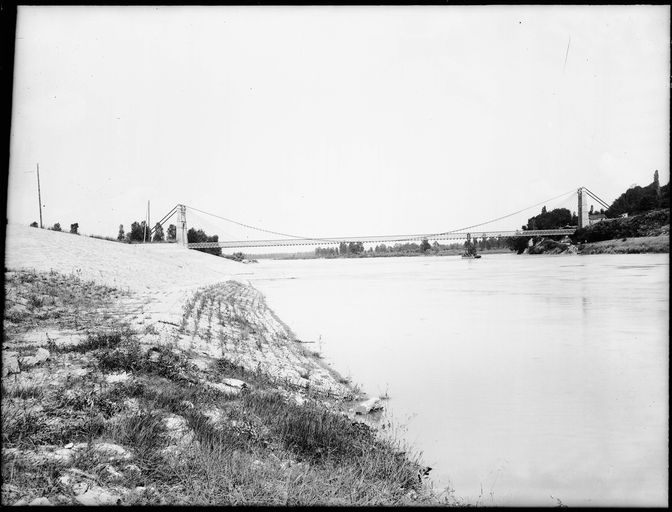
(22, 392)
(99, 341)
(35, 301)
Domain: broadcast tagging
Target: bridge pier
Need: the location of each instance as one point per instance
(583, 208)
(181, 234)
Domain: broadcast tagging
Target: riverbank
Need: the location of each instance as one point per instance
(644, 244)
(154, 375)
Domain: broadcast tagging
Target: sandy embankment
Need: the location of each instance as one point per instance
(163, 280)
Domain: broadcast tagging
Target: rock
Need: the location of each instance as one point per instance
(63, 455)
(113, 473)
(41, 502)
(80, 488)
(21, 502)
(214, 415)
(113, 451)
(117, 377)
(179, 434)
(235, 383)
(154, 355)
(201, 364)
(132, 469)
(65, 480)
(79, 472)
(41, 355)
(10, 364)
(98, 496)
(132, 404)
(367, 406)
(224, 388)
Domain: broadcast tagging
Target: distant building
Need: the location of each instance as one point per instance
(594, 218)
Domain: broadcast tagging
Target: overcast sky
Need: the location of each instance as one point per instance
(333, 121)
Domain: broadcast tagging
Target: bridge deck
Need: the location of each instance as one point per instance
(378, 239)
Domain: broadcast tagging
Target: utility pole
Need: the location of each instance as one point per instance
(149, 225)
(144, 231)
(39, 194)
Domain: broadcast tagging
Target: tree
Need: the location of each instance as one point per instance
(517, 243)
(554, 219)
(57, 227)
(198, 236)
(74, 228)
(172, 232)
(424, 245)
(137, 232)
(543, 210)
(158, 233)
(121, 234)
(33, 224)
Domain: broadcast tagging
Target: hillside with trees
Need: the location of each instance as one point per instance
(638, 212)
(641, 199)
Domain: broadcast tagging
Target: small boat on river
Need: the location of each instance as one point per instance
(470, 249)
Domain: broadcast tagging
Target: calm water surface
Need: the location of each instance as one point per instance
(522, 379)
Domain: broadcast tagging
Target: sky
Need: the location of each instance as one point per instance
(333, 121)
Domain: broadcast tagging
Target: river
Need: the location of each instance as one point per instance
(523, 380)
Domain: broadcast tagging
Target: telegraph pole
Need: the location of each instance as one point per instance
(39, 194)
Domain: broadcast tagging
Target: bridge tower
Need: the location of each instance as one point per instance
(181, 234)
(583, 208)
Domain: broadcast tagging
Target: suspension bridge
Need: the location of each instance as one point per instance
(465, 233)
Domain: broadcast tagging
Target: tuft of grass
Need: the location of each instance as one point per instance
(100, 341)
(24, 392)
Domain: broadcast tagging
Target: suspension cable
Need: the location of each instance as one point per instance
(261, 229)
(506, 216)
(400, 237)
(164, 219)
(603, 203)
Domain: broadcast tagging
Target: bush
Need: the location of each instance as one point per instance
(74, 229)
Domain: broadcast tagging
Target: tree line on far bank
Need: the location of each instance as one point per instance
(357, 250)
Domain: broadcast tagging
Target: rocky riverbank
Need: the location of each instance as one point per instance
(155, 391)
(635, 245)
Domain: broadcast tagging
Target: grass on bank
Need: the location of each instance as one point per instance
(263, 449)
